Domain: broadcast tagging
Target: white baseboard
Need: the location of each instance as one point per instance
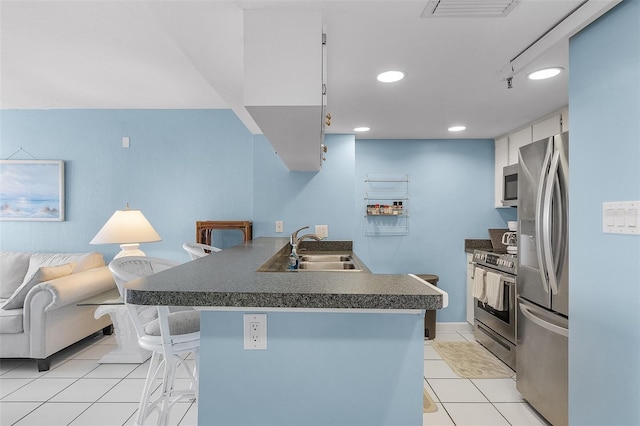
(453, 327)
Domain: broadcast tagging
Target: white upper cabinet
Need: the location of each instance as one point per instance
(565, 119)
(547, 128)
(285, 94)
(516, 140)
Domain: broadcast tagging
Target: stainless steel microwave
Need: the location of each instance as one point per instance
(510, 186)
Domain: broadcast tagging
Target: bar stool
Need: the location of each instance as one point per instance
(170, 336)
(430, 316)
(197, 250)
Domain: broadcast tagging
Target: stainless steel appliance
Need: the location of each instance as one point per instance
(510, 186)
(542, 281)
(494, 329)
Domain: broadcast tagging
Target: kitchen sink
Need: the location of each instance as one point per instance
(327, 266)
(310, 262)
(326, 258)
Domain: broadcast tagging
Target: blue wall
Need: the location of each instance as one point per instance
(319, 369)
(182, 166)
(450, 199)
(451, 186)
(604, 98)
(189, 165)
(305, 198)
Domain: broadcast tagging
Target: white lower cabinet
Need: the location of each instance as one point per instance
(470, 288)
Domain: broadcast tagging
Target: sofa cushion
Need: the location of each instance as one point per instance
(13, 268)
(44, 273)
(54, 259)
(11, 321)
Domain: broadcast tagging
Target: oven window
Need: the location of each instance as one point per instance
(502, 315)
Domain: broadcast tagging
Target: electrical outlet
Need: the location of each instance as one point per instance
(255, 331)
(322, 231)
(279, 226)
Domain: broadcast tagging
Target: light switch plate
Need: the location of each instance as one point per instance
(621, 217)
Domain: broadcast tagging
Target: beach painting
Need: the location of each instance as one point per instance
(32, 190)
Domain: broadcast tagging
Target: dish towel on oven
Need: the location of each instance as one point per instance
(495, 291)
(479, 291)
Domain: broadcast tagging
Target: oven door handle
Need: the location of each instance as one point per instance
(506, 278)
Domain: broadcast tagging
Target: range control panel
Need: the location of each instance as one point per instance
(502, 262)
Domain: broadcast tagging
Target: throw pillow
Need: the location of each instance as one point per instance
(50, 259)
(88, 261)
(13, 268)
(43, 274)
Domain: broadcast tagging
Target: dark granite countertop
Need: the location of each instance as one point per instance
(230, 279)
(473, 244)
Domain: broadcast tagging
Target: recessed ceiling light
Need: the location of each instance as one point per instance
(390, 76)
(545, 73)
(361, 129)
(457, 128)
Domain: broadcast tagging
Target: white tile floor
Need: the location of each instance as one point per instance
(480, 402)
(79, 391)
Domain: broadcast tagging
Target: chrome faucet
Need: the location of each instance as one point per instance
(294, 240)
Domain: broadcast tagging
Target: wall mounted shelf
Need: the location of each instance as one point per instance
(386, 202)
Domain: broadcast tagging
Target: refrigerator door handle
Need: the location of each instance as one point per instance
(542, 323)
(546, 223)
(539, 231)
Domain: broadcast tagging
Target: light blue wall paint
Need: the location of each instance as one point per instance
(189, 165)
(305, 198)
(604, 343)
(318, 369)
(450, 199)
(182, 166)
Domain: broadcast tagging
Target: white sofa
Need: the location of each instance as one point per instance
(39, 295)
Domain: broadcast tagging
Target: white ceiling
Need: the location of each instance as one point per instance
(189, 54)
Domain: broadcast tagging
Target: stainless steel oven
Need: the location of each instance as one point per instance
(496, 329)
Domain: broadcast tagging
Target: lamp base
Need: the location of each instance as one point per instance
(129, 250)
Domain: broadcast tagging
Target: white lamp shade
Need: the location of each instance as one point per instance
(126, 227)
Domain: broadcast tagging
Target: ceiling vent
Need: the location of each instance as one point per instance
(468, 8)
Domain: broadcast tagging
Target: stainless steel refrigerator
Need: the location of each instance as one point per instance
(542, 336)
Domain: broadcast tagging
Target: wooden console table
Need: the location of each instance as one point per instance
(204, 229)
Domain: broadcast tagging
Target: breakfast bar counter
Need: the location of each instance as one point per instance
(230, 278)
(342, 348)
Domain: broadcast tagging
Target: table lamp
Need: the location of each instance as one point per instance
(128, 228)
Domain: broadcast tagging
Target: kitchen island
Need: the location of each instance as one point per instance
(343, 348)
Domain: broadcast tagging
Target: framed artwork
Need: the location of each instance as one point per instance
(32, 190)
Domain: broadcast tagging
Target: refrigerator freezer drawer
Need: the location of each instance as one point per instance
(542, 360)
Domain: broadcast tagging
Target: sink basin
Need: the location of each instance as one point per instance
(326, 258)
(337, 261)
(327, 266)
